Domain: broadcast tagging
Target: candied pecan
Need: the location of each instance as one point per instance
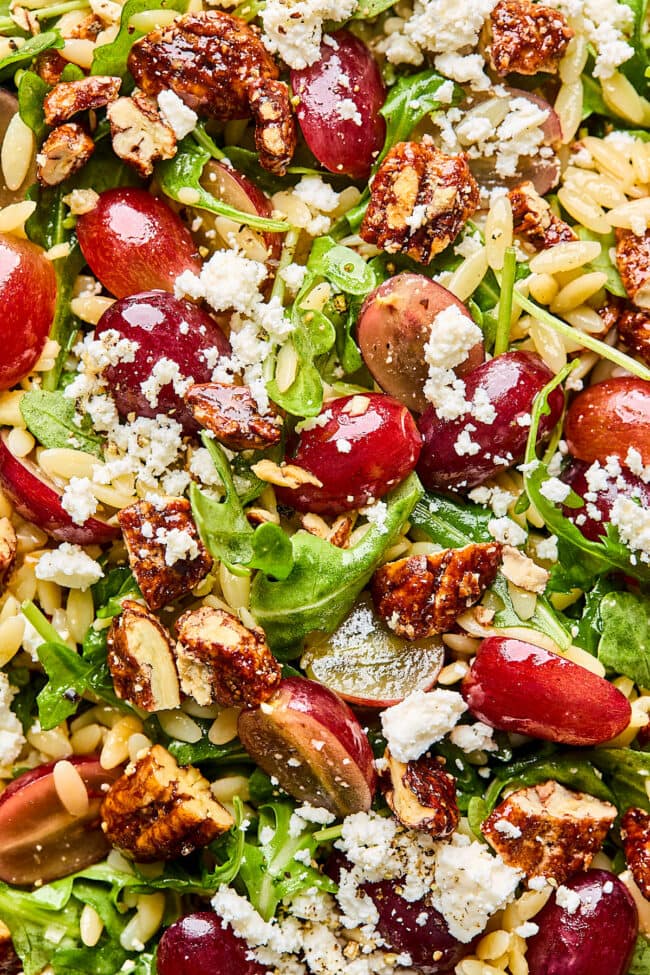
(231, 414)
(635, 833)
(139, 135)
(284, 475)
(546, 830)
(141, 660)
(49, 66)
(337, 534)
(69, 97)
(535, 221)
(634, 331)
(7, 549)
(218, 66)
(522, 571)
(221, 661)
(420, 199)
(66, 150)
(87, 29)
(633, 263)
(421, 595)
(158, 811)
(166, 555)
(422, 795)
(526, 37)
(10, 963)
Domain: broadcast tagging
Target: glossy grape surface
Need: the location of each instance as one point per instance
(28, 303)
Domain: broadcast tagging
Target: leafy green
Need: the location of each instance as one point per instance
(590, 625)
(50, 416)
(28, 684)
(31, 92)
(604, 262)
(625, 642)
(372, 8)
(111, 589)
(110, 59)
(28, 918)
(571, 770)
(544, 619)
(635, 67)
(226, 531)
(469, 784)
(626, 772)
(24, 55)
(325, 580)
(451, 523)
(593, 102)
(180, 180)
(640, 964)
(269, 870)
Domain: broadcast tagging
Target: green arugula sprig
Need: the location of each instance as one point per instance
(50, 416)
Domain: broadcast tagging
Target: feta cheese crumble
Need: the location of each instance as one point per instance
(421, 719)
(178, 116)
(11, 730)
(294, 28)
(68, 565)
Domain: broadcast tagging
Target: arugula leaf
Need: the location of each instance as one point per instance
(181, 176)
(325, 580)
(451, 523)
(269, 870)
(604, 262)
(28, 918)
(544, 619)
(372, 8)
(25, 55)
(111, 589)
(590, 624)
(626, 772)
(640, 964)
(625, 642)
(50, 416)
(635, 67)
(572, 770)
(31, 92)
(110, 59)
(28, 685)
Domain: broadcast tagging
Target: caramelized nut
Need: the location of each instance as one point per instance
(633, 263)
(231, 414)
(66, 150)
(138, 133)
(535, 221)
(141, 660)
(635, 833)
(70, 97)
(422, 795)
(527, 37)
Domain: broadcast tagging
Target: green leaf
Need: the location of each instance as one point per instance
(69, 678)
(31, 92)
(313, 335)
(593, 102)
(544, 619)
(110, 59)
(343, 267)
(640, 964)
(604, 262)
(573, 771)
(325, 580)
(451, 523)
(28, 918)
(626, 772)
(272, 551)
(50, 416)
(182, 174)
(625, 642)
(367, 9)
(25, 55)
(635, 67)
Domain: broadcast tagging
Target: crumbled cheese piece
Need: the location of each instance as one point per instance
(227, 281)
(11, 730)
(178, 544)
(347, 110)
(308, 814)
(78, 499)
(343, 446)
(635, 463)
(633, 524)
(497, 498)
(164, 371)
(294, 28)
(70, 566)
(555, 490)
(178, 116)
(567, 899)
(293, 275)
(546, 549)
(376, 514)
(607, 25)
(452, 335)
(421, 719)
(471, 885)
(474, 737)
(317, 194)
(527, 930)
(507, 531)
(506, 828)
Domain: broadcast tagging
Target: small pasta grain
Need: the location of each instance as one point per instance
(567, 256)
(70, 788)
(236, 589)
(176, 724)
(66, 463)
(231, 787)
(87, 740)
(467, 277)
(20, 442)
(116, 744)
(90, 926)
(579, 291)
(12, 631)
(80, 613)
(224, 727)
(568, 106)
(16, 154)
(498, 232)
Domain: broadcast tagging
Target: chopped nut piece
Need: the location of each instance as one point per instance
(338, 534)
(218, 66)
(546, 830)
(140, 136)
(221, 661)
(49, 66)
(633, 263)
(527, 37)
(158, 811)
(231, 414)
(81, 201)
(634, 331)
(150, 533)
(284, 475)
(635, 833)
(69, 97)
(10, 963)
(8, 546)
(66, 150)
(87, 29)
(420, 200)
(535, 221)
(422, 595)
(141, 660)
(522, 571)
(422, 795)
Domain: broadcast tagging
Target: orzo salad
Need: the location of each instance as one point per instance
(325, 487)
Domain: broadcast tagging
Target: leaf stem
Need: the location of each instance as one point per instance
(502, 338)
(288, 250)
(203, 140)
(326, 835)
(40, 623)
(47, 13)
(583, 338)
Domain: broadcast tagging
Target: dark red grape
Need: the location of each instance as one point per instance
(609, 418)
(28, 301)
(164, 327)
(623, 485)
(368, 444)
(134, 242)
(510, 383)
(345, 80)
(199, 944)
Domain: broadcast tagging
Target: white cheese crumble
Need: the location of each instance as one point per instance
(294, 28)
(78, 499)
(567, 899)
(293, 276)
(165, 371)
(607, 25)
(11, 730)
(178, 544)
(474, 737)
(633, 524)
(70, 566)
(555, 490)
(227, 281)
(547, 549)
(421, 719)
(507, 829)
(452, 335)
(178, 116)
(507, 531)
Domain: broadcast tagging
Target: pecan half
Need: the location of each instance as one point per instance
(422, 595)
(141, 660)
(69, 97)
(139, 135)
(8, 546)
(633, 263)
(66, 150)
(634, 331)
(420, 200)
(218, 66)
(635, 833)
(526, 37)
(231, 414)
(546, 830)
(422, 795)
(535, 221)
(49, 66)
(158, 811)
(221, 661)
(166, 555)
